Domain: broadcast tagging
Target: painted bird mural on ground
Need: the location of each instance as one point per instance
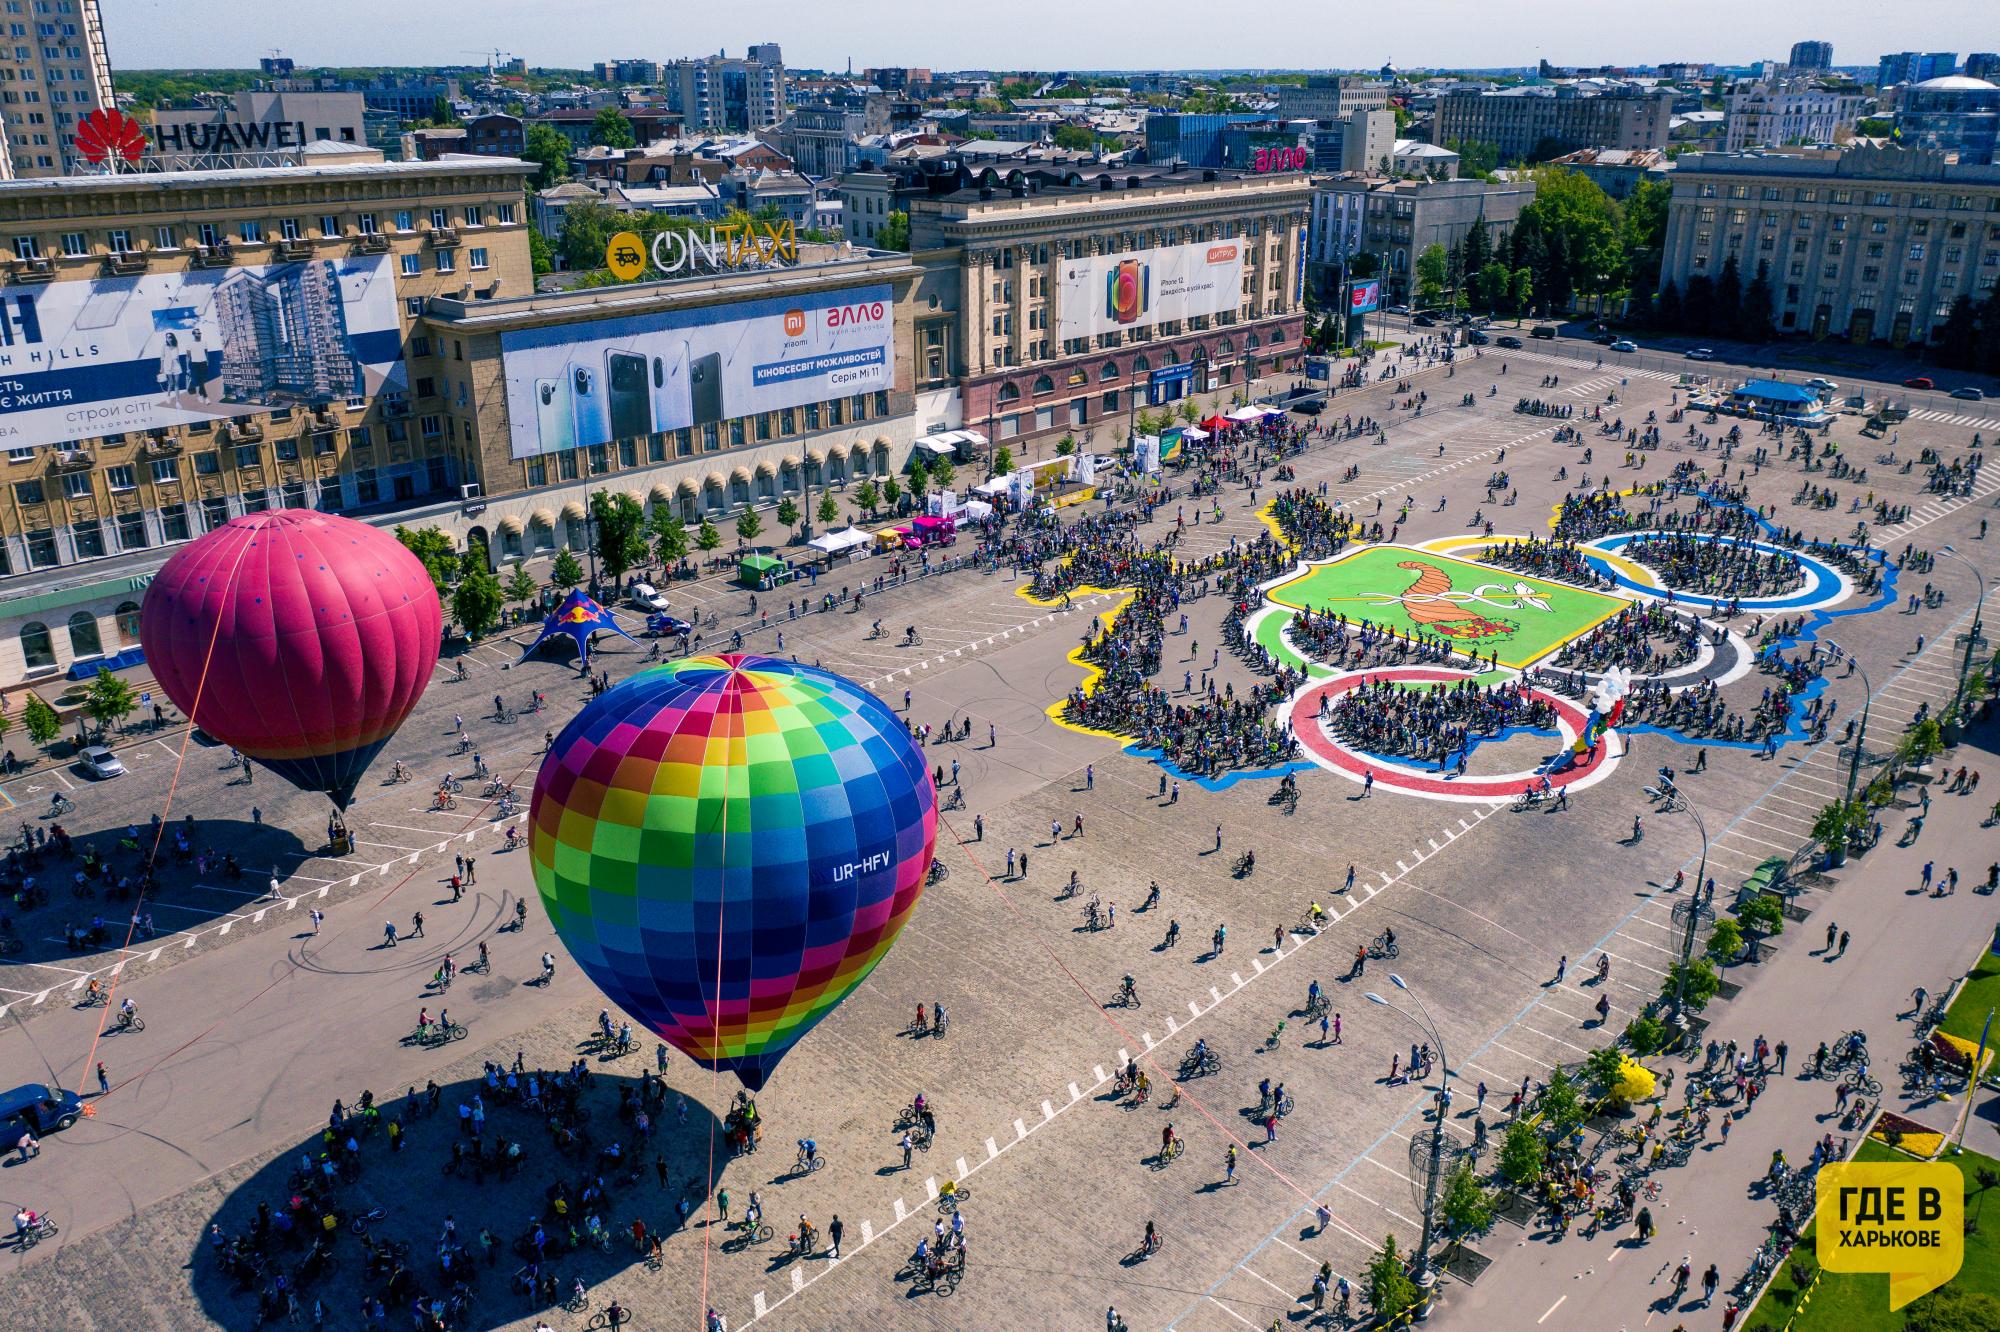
(1431, 603)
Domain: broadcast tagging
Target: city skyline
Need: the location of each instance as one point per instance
(889, 32)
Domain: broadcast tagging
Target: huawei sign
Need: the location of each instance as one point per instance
(105, 134)
(1221, 254)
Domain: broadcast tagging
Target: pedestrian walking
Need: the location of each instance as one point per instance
(416, 925)
(317, 917)
(834, 1230)
(906, 1145)
(1562, 968)
(1843, 944)
(1367, 783)
(1229, 1165)
(1781, 1050)
(471, 871)
(103, 1079)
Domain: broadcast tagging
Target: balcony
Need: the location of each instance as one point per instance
(124, 263)
(38, 269)
(242, 432)
(217, 255)
(372, 242)
(443, 238)
(72, 460)
(294, 249)
(159, 446)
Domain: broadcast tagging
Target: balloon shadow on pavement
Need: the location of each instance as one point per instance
(194, 886)
(462, 1218)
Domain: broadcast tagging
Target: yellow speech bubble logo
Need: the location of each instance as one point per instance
(1903, 1218)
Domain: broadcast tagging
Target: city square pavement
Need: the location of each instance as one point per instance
(256, 1021)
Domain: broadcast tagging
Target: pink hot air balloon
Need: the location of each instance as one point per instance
(301, 638)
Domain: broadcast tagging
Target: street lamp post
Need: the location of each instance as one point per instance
(1861, 736)
(1426, 1278)
(1972, 634)
(1695, 907)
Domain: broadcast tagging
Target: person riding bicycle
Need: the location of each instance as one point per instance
(1200, 1052)
(808, 1152)
(127, 1012)
(875, 631)
(910, 634)
(399, 771)
(615, 1314)
(94, 992)
(1603, 966)
(1128, 990)
(1152, 1240)
(1312, 994)
(1316, 915)
(548, 965)
(1389, 942)
(56, 803)
(1166, 1140)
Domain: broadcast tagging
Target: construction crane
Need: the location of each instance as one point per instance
(493, 59)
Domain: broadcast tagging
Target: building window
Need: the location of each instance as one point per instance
(251, 232)
(76, 485)
(120, 242)
(504, 214)
(445, 262)
(475, 258)
(405, 220)
(74, 245)
(28, 492)
(470, 215)
(365, 224)
(288, 229)
(413, 264)
(37, 651)
(329, 226)
(27, 247)
(173, 527)
(89, 539)
(164, 239)
(132, 531)
(166, 469)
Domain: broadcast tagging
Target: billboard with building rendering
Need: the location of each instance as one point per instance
(571, 385)
(90, 358)
(1106, 293)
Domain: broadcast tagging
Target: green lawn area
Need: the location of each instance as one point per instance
(1967, 1014)
(1859, 1302)
(1475, 605)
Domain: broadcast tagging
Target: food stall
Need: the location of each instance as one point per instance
(762, 571)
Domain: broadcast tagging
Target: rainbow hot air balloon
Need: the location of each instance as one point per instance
(728, 845)
(301, 638)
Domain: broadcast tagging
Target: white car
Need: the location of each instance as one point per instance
(1826, 386)
(1701, 354)
(1624, 345)
(100, 762)
(645, 597)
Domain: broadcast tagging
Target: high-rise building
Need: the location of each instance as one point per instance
(721, 92)
(1953, 114)
(1898, 68)
(1937, 65)
(1983, 65)
(55, 72)
(1812, 55)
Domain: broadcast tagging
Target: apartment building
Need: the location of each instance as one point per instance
(1774, 115)
(1538, 121)
(722, 93)
(54, 71)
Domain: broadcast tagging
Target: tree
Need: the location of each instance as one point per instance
(1601, 1069)
(1562, 1103)
(829, 508)
(1697, 983)
(476, 602)
(1522, 298)
(1729, 298)
(866, 495)
(521, 585)
(1521, 1154)
(1698, 308)
(894, 233)
(541, 255)
(748, 525)
(1075, 137)
(1953, 1308)
(1725, 942)
(1433, 271)
(1643, 234)
(891, 491)
(41, 720)
(1754, 323)
(567, 571)
(1467, 1206)
(1667, 311)
(1957, 337)
(109, 699)
(1921, 743)
(1645, 1035)
(434, 547)
(1838, 822)
(1067, 444)
(788, 511)
(612, 130)
(943, 474)
(670, 536)
(547, 146)
(1390, 1291)
(620, 521)
(1003, 460)
(706, 537)
(920, 476)
(1475, 159)
(1762, 918)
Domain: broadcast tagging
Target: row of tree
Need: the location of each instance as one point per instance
(1724, 306)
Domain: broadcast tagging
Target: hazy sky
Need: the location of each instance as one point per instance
(1040, 34)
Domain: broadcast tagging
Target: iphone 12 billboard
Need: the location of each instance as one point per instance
(1107, 293)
